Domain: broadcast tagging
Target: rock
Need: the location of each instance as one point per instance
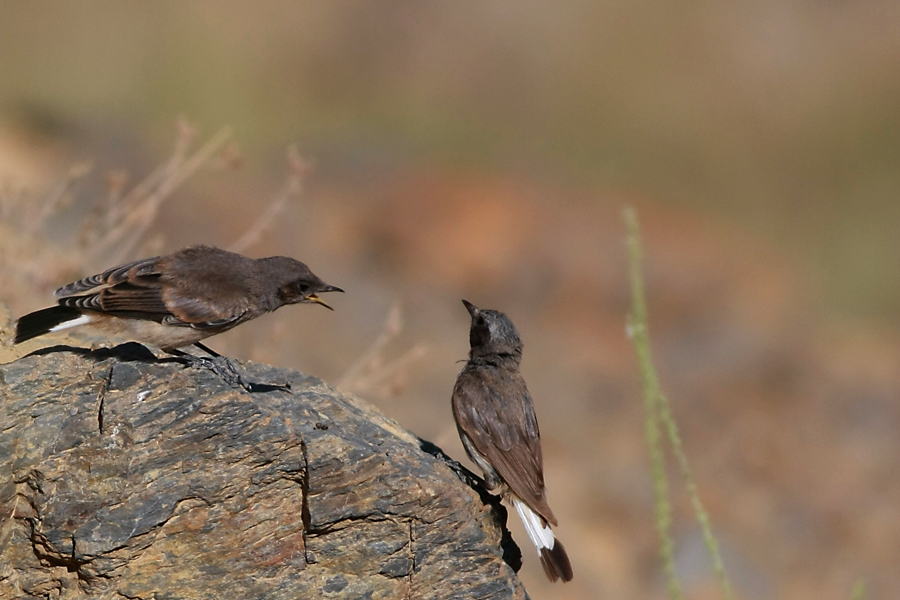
(124, 476)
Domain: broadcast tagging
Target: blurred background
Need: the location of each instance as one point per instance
(450, 150)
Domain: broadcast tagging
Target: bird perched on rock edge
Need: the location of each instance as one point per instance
(499, 430)
(177, 300)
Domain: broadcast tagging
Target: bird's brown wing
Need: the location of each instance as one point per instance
(96, 283)
(144, 290)
(493, 408)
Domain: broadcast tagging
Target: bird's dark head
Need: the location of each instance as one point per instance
(492, 332)
(296, 283)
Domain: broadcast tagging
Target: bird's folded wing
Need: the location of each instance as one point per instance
(504, 430)
(203, 313)
(138, 290)
(138, 269)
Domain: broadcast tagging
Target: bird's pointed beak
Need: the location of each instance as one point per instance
(317, 300)
(473, 310)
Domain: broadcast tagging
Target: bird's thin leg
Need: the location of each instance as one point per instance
(207, 349)
(253, 387)
(218, 357)
(225, 368)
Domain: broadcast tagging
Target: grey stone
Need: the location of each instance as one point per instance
(123, 476)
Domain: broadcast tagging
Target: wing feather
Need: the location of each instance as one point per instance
(493, 407)
(95, 283)
(139, 290)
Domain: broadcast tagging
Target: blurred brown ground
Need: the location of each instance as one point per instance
(486, 154)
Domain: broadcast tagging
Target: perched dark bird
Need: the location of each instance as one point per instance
(499, 430)
(177, 300)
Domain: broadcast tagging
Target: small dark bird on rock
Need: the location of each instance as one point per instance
(499, 430)
(177, 300)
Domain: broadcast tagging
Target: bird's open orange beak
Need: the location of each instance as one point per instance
(317, 300)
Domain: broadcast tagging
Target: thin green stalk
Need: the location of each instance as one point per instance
(691, 487)
(659, 412)
(637, 328)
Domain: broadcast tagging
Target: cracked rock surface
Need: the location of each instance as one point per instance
(126, 477)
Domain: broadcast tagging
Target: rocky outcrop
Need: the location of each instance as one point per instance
(124, 476)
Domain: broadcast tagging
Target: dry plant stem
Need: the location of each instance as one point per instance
(293, 187)
(119, 209)
(393, 325)
(9, 197)
(55, 199)
(140, 207)
(390, 376)
(658, 412)
(176, 175)
(371, 372)
(252, 236)
(6, 325)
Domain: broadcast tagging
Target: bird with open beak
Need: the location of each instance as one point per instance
(180, 299)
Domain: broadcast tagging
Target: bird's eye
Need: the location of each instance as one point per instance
(303, 287)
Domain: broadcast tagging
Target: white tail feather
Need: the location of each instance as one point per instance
(540, 533)
(82, 320)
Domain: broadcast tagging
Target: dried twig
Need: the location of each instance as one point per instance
(136, 212)
(298, 169)
(371, 372)
(11, 197)
(57, 198)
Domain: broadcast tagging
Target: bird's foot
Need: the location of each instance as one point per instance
(228, 372)
(224, 368)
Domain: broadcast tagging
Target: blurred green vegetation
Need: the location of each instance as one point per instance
(783, 116)
(780, 115)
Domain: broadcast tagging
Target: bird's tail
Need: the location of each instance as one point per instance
(553, 556)
(50, 319)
